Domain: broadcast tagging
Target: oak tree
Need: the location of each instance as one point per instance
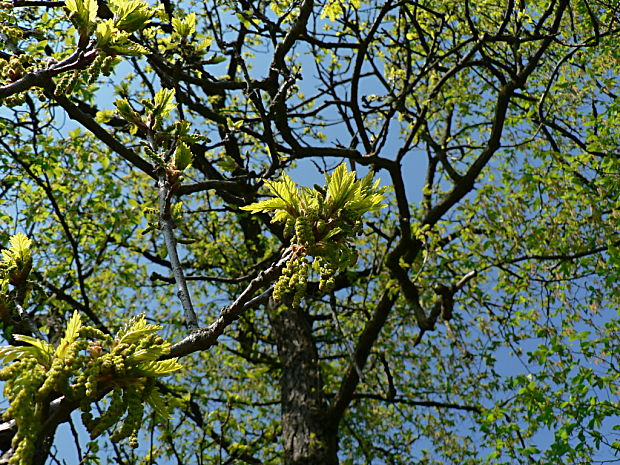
(310, 232)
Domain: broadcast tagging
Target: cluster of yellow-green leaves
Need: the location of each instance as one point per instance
(321, 223)
(16, 262)
(334, 9)
(83, 368)
(100, 43)
(167, 146)
(86, 365)
(112, 37)
(15, 268)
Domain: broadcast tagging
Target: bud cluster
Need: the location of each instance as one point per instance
(94, 70)
(66, 82)
(118, 406)
(103, 64)
(326, 272)
(131, 424)
(22, 380)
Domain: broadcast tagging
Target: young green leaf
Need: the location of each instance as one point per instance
(136, 330)
(71, 334)
(125, 110)
(130, 15)
(157, 402)
(183, 156)
(83, 14)
(159, 368)
(186, 26)
(105, 33)
(19, 252)
(163, 102)
(40, 350)
(11, 353)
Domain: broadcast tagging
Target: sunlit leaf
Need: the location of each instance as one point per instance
(40, 350)
(71, 333)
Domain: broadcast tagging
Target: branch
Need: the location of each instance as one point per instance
(278, 66)
(441, 148)
(294, 33)
(407, 248)
(59, 412)
(419, 403)
(33, 79)
(215, 279)
(62, 295)
(79, 59)
(542, 257)
(45, 3)
(166, 223)
(229, 186)
(364, 345)
(462, 188)
(355, 80)
(204, 338)
(100, 133)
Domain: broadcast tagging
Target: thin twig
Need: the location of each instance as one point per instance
(345, 337)
(27, 321)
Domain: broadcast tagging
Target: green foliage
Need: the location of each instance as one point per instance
(16, 261)
(334, 9)
(113, 39)
(15, 268)
(113, 34)
(84, 366)
(321, 223)
(475, 316)
(182, 157)
(83, 14)
(130, 15)
(186, 26)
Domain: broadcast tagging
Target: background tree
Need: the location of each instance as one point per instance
(479, 321)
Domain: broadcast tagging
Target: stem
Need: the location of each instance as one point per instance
(167, 225)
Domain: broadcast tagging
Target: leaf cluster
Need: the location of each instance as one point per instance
(342, 201)
(322, 222)
(15, 268)
(112, 35)
(83, 367)
(16, 261)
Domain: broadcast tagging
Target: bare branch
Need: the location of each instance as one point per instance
(203, 338)
(166, 224)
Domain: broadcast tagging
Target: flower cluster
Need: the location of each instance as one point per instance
(294, 277)
(85, 366)
(321, 223)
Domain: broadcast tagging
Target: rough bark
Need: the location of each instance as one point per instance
(309, 439)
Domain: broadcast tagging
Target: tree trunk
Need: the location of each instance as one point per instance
(309, 438)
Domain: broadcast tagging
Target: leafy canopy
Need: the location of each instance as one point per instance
(467, 314)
